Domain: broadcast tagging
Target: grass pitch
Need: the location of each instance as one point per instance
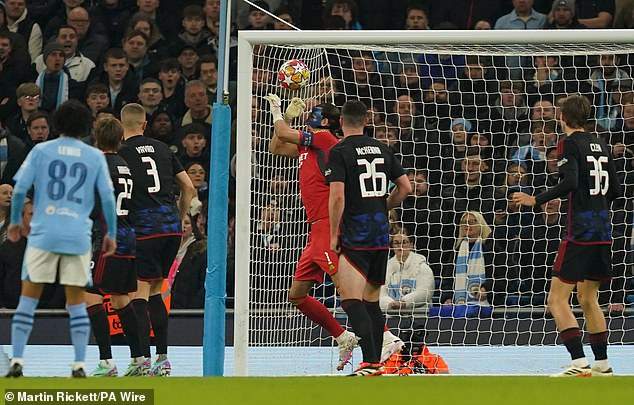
(353, 391)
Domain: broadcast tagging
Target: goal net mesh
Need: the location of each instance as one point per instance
(471, 125)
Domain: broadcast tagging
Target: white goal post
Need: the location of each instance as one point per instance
(263, 319)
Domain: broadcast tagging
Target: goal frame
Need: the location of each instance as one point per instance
(246, 40)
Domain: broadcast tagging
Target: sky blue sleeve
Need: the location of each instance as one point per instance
(17, 201)
(106, 194)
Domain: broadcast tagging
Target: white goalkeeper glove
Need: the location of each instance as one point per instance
(275, 105)
(294, 109)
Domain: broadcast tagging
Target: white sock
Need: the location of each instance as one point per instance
(107, 362)
(601, 364)
(580, 362)
(342, 337)
(77, 365)
(17, 360)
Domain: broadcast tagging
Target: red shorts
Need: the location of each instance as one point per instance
(317, 258)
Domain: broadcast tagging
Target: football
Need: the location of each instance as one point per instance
(293, 74)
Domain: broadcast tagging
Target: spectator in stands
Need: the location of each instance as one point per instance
(470, 189)
(60, 17)
(6, 191)
(91, 43)
(102, 113)
(173, 87)
(198, 175)
(410, 133)
(12, 154)
(417, 17)
(28, 96)
(123, 87)
(409, 281)
(41, 10)
(523, 17)
(19, 21)
(79, 67)
(472, 273)
(509, 123)
(538, 245)
(113, 15)
(483, 25)
(162, 126)
(421, 216)
(407, 81)
(543, 136)
(198, 106)
(436, 68)
(11, 257)
(436, 110)
(150, 95)
(284, 15)
(158, 48)
(54, 82)
(208, 74)
(471, 95)
(454, 145)
(542, 111)
(563, 16)
(39, 128)
(624, 14)
(347, 9)
(18, 44)
(258, 19)
(466, 14)
(364, 82)
(595, 14)
(188, 289)
(194, 33)
(212, 12)
(135, 46)
(194, 142)
(97, 97)
(548, 174)
(188, 58)
(605, 79)
(166, 21)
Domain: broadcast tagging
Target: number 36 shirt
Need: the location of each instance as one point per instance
(153, 166)
(365, 166)
(587, 176)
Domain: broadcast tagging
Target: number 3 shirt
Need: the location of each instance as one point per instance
(153, 166)
(587, 176)
(365, 166)
(65, 173)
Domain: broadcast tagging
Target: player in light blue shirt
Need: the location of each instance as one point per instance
(65, 174)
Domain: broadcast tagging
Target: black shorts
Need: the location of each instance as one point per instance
(155, 256)
(112, 274)
(372, 264)
(577, 262)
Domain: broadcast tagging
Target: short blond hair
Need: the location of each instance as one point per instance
(132, 116)
(485, 229)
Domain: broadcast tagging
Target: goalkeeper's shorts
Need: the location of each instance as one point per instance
(317, 258)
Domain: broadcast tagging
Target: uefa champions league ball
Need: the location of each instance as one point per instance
(293, 74)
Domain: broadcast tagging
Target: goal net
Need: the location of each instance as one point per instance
(472, 116)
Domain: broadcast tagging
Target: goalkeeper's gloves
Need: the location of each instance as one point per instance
(294, 109)
(275, 105)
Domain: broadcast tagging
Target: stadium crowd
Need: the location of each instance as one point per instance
(471, 130)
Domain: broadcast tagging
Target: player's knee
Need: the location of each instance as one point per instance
(296, 301)
(585, 300)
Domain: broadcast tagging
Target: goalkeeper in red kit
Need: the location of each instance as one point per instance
(311, 148)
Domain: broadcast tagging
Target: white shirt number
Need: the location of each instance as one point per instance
(152, 171)
(379, 179)
(126, 193)
(599, 174)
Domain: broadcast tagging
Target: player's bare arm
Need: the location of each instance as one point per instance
(523, 199)
(336, 204)
(398, 194)
(187, 193)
